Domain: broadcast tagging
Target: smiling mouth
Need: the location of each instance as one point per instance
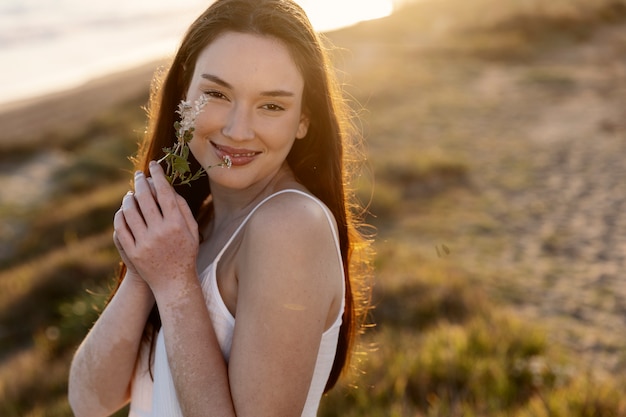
(238, 155)
(234, 153)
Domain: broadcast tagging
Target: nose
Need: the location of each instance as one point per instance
(238, 125)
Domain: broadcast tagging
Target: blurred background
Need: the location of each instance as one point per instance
(495, 179)
(57, 44)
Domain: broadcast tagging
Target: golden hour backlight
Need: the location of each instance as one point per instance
(332, 14)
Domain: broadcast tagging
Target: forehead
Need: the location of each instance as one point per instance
(249, 59)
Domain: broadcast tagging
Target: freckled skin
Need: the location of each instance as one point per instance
(285, 272)
(107, 357)
(93, 352)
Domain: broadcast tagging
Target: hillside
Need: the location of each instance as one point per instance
(495, 139)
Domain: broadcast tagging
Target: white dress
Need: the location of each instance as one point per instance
(158, 398)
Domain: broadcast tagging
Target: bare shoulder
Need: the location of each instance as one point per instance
(291, 214)
(295, 231)
(289, 255)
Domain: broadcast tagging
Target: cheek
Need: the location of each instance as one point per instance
(200, 145)
(286, 127)
(205, 122)
(197, 149)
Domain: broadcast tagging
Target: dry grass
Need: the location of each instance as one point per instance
(490, 299)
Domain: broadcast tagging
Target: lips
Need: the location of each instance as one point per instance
(238, 156)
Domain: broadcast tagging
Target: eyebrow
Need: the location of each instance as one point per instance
(271, 93)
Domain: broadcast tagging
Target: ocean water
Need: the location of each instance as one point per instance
(52, 45)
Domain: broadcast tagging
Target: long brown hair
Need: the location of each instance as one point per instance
(319, 161)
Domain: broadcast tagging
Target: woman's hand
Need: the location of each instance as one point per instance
(155, 231)
(119, 222)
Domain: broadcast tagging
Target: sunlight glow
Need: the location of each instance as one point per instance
(128, 34)
(327, 15)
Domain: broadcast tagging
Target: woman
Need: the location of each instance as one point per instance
(239, 294)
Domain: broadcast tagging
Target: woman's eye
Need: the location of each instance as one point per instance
(214, 94)
(273, 107)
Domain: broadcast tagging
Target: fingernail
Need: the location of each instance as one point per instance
(138, 173)
(153, 163)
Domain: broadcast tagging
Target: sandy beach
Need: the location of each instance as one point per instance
(26, 123)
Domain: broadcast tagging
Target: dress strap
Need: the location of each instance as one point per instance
(288, 190)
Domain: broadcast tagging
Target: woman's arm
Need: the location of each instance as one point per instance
(289, 278)
(161, 241)
(290, 291)
(103, 366)
(289, 286)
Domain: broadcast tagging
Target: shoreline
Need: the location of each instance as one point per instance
(140, 69)
(27, 122)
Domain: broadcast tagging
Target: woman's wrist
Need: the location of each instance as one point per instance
(175, 288)
(138, 287)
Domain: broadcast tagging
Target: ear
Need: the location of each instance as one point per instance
(303, 126)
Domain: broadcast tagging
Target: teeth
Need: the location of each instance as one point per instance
(239, 155)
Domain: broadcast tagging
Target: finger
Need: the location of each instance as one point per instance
(165, 194)
(151, 184)
(120, 247)
(122, 236)
(132, 217)
(190, 220)
(145, 199)
(122, 252)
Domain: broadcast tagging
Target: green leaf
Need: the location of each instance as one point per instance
(180, 164)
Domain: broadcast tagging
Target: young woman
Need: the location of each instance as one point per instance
(239, 294)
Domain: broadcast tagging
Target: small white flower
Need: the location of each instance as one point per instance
(178, 169)
(200, 103)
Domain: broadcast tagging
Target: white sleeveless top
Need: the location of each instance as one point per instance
(158, 398)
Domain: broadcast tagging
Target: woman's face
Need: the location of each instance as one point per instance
(254, 110)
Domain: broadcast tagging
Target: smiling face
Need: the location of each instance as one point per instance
(254, 110)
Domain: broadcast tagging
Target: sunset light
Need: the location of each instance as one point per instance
(332, 14)
(432, 190)
(135, 33)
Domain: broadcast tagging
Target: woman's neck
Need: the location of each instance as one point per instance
(231, 205)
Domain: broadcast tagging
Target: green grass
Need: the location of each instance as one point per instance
(441, 348)
(448, 339)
